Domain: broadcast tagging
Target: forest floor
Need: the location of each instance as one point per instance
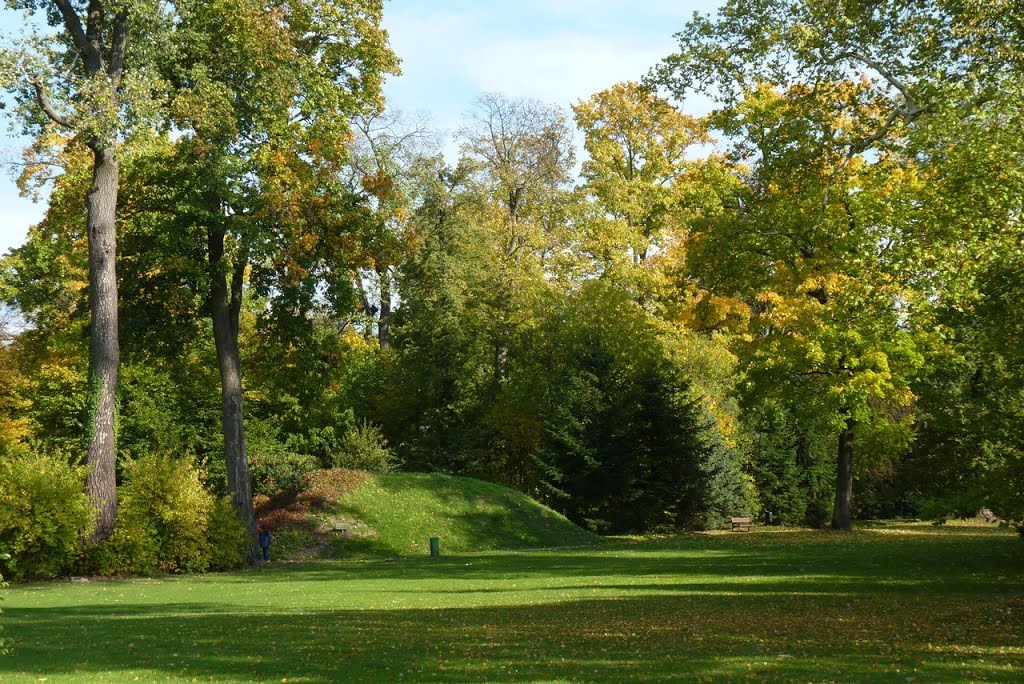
(889, 602)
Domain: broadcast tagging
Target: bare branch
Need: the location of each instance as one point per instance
(883, 72)
(44, 103)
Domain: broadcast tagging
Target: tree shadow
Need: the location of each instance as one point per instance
(660, 638)
(865, 562)
(806, 607)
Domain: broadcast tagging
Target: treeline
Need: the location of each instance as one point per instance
(806, 302)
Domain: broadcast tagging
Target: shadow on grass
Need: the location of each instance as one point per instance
(958, 563)
(790, 607)
(638, 638)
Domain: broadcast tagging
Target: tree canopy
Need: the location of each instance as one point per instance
(805, 302)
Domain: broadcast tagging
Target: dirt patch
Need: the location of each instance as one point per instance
(315, 492)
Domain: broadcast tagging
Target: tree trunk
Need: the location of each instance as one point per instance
(844, 478)
(224, 308)
(803, 453)
(104, 352)
(384, 318)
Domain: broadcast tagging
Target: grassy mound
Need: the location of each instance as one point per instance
(346, 513)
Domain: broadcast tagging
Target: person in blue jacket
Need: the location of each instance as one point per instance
(265, 539)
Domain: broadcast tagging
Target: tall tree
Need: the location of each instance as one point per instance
(382, 164)
(875, 93)
(521, 152)
(638, 175)
(87, 77)
(263, 96)
(801, 247)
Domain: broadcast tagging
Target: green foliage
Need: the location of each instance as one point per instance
(43, 515)
(726, 490)
(168, 496)
(363, 447)
(230, 542)
(168, 522)
(277, 469)
(793, 466)
(131, 549)
(865, 126)
(272, 466)
(627, 445)
(151, 402)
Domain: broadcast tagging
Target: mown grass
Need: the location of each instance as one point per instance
(397, 514)
(891, 603)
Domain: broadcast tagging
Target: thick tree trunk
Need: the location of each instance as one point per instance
(104, 352)
(225, 307)
(844, 478)
(384, 318)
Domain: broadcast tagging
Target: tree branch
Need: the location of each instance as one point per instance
(94, 34)
(73, 24)
(884, 73)
(118, 49)
(44, 103)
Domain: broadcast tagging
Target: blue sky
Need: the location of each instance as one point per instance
(556, 51)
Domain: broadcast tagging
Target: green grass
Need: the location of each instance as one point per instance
(397, 514)
(890, 603)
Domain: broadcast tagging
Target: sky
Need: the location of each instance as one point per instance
(452, 51)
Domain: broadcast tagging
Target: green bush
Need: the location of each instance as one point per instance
(229, 540)
(363, 447)
(43, 515)
(131, 549)
(168, 522)
(163, 523)
(275, 470)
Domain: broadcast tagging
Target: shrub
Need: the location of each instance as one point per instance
(169, 523)
(275, 470)
(43, 515)
(163, 520)
(229, 540)
(363, 447)
(131, 549)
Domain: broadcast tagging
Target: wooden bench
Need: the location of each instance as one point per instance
(742, 523)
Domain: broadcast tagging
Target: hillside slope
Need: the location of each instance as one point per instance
(346, 513)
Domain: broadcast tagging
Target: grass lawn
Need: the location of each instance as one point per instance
(398, 513)
(897, 603)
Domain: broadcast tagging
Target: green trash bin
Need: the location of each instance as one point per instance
(435, 547)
